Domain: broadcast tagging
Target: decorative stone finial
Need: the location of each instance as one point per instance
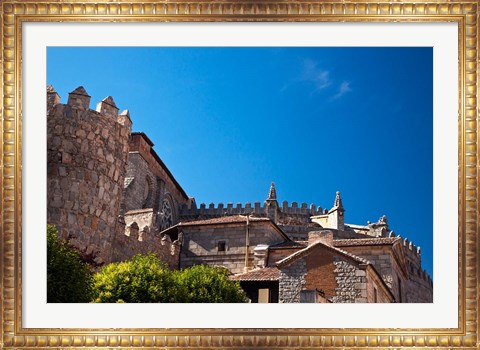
(383, 220)
(338, 200)
(272, 194)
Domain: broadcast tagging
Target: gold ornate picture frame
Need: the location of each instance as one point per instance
(15, 14)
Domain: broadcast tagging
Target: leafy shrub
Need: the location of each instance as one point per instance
(69, 279)
(205, 284)
(143, 279)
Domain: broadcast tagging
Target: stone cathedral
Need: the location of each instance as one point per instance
(111, 196)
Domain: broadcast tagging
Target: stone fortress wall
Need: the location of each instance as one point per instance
(87, 166)
(293, 219)
(419, 284)
(303, 211)
(111, 195)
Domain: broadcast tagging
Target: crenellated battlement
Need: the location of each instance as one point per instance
(302, 209)
(410, 249)
(142, 240)
(257, 208)
(79, 100)
(413, 254)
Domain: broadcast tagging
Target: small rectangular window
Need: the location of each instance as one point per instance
(308, 296)
(375, 295)
(221, 246)
(264, 295)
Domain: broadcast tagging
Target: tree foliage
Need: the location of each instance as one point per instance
(145, 279)
(69, 279)
(205, 284)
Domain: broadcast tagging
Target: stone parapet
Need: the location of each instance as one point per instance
(221, 209)
(125, 246)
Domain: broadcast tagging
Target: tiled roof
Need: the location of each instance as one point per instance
(301, 253)
(233, 219)
(288, 244)
(354, 257)
(224, 220)
(365, 241)
(262, 274)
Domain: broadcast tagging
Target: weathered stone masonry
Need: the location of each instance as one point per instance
(87, 157)
(349, 284)
(292, 281)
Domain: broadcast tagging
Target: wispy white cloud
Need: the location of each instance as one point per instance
(317, 79)
(342, 90)
(311, 76)
(312, 73)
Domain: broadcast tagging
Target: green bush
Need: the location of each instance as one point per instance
(69, 279)
(143, 279)
(205, 284)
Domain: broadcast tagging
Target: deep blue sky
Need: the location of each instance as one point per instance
(229, 121)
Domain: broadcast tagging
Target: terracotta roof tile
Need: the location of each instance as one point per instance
(304, 252)
(262, 274)
(234, 219)
(288, 244)
(365, 241)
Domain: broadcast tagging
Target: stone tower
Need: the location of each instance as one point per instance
(86, 165)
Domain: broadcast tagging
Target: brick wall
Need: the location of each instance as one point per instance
(321, 271)
(342, 279)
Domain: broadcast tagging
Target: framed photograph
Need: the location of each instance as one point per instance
(292, 71)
